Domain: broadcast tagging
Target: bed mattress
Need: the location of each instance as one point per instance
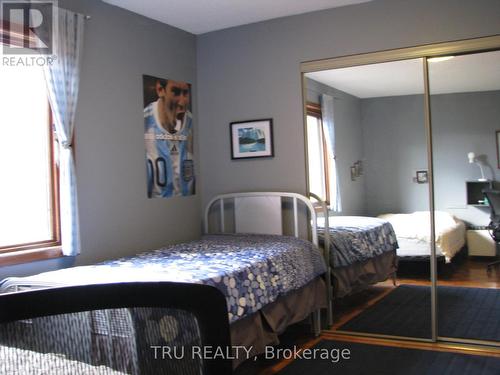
(416, 250)
(356, 239)
(413, 230)
(250, 270)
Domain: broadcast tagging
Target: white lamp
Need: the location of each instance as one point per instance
(472, 159)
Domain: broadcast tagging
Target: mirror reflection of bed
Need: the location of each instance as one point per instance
(368, 158)
(357, 115)
(414, 243)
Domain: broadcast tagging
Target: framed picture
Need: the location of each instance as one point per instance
(251, 139)
(422, 177)
(353, 173)
(498, 148)
(359, 168)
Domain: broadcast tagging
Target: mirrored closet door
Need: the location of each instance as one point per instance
(367, 157)
(405, 144)
(465, 118)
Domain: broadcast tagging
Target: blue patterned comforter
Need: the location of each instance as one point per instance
(357, 239)
(251, 270)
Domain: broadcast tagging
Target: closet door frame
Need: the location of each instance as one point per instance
(424, 52)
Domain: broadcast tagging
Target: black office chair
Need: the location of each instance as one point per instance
(493, 197)
(111, 329)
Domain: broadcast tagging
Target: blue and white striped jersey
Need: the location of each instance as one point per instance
(170, 168)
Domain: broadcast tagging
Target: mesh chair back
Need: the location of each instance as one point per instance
(127, 328)
(493, 197)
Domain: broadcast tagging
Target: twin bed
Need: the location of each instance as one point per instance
(413, 233)
(367, 250)
(251, 270)
(269, 280)
(362, 252)
(272, 278)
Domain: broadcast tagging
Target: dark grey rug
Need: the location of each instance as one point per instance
(367, 359)
(463, 313)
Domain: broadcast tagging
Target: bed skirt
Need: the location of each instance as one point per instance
(357, 276)
(263, 327)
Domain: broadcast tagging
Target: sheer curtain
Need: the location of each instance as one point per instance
(329, 129)
(62, 78)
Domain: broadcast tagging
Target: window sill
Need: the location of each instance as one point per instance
(26, 256)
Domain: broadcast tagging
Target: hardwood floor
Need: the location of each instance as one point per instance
(472, 272)
(468, 272)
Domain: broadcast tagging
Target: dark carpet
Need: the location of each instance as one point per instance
(383, 360)
(472, 313)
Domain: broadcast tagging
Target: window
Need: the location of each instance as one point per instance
(318, 154)
(29, 217)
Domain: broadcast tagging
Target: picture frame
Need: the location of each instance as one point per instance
(359, 168)
(353, 173)
(251, 139)
(497, 133)
(422, 177)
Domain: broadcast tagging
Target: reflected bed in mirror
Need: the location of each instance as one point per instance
(361, 159)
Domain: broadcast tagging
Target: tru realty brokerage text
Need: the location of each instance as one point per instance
(243, 353)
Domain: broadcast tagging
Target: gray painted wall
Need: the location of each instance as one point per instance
(116, 217)
(463, 123)
(349, 144)
(253, 71)
(395, 146)
(394, 149)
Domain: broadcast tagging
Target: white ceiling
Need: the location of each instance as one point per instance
(467, 73)
(201, 16)
(369, 81)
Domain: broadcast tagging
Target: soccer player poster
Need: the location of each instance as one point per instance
(168, 134)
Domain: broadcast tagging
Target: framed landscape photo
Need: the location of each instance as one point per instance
(422, 177)
(251, 139)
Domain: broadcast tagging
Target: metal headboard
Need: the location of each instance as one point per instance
(221, 199)
(313, 223)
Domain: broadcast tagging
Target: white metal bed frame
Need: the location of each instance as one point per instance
(313, 226)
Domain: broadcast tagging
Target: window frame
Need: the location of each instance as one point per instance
(13, 37)
(314, 110)
(50, 248)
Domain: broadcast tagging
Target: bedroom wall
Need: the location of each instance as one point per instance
(349, 144)
(395, 147)
(253, 71)
(116, 217)
(463, 123)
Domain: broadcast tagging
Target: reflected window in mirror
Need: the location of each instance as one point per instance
(318, 154)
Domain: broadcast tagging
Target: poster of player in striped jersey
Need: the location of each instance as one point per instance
(168, 134)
